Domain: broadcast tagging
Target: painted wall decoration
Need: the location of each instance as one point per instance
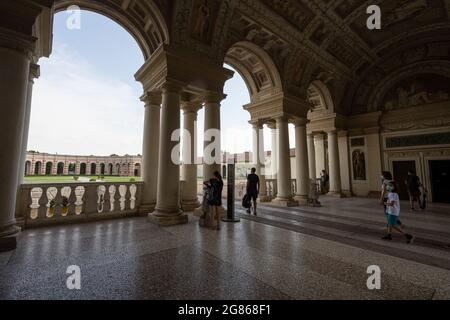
(418, 90)
(359, 165)
(203, 17)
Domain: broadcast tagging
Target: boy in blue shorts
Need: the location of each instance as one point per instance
(393, 213)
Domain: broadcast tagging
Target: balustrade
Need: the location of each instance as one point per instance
(43, 204)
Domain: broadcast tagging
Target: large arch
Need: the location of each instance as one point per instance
(142, 19)
(256, 68)
(320, 97)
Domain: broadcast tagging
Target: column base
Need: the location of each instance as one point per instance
(264, 199)
(301, 199)
(165, 220)
(284, 202)
(8, 238)
(349, 194)
(335, 194)
(146, 209)
(190, 205)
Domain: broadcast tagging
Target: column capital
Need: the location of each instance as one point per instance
(172, 86)
(300, 122)
(257, 124)
(214, 97)
(17, 41)
(190, 106)
(35, 71)
(271, 125)
(343, 133)
(151, 98)
(332, 132)
(281, 118)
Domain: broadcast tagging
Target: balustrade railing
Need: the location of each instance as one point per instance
(43, 204)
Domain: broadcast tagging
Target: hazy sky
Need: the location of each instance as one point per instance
(87, 101)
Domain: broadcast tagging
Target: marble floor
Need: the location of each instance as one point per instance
(290, 253)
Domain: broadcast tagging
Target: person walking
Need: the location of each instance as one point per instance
(253, 189)
(214, 194)
(413, 185)
(324, 179)
(386, 186)
(392, 216)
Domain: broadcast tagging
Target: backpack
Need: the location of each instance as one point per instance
(247, 202)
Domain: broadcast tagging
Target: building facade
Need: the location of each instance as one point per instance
(37, 164)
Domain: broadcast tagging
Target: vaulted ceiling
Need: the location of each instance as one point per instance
(308, 40)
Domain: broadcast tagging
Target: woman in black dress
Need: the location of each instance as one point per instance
(215, 186)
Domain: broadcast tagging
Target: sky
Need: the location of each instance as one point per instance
(86, 101)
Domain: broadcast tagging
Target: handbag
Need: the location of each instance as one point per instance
(246, 202)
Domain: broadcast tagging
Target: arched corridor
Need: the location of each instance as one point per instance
(334, 109)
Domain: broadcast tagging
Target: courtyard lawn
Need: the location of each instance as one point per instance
(66, 179)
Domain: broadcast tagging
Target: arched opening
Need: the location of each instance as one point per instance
(102, 169)
(111, 169)
(27, 168)
(37, 168)
(320, 99)
(137, 170)
(93, 169)
(144, 25)
(72, 169)
(60, 169)
(83, 169)
(48, 168)
(148, 28)
(255, 81)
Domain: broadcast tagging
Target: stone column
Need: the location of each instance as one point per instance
(284, 196)
(34, 74)
(168, 211)
(311, 157)
(274, 166)
(301, 161)
(320, 150)
(344, 161)
(189, 201)
(212, 156)
(259, 159)
(335, 171)
(15, 51)
(150, 151)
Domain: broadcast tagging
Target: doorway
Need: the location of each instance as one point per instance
(440, 180)
(401, 169)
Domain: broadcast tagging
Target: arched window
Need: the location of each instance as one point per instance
(60, 169)
(48, 168)
(83, 169)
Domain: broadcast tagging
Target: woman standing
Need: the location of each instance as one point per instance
(215, 186)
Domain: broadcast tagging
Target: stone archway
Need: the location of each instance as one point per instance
(27, 168)
(142, 19)
(256, 68)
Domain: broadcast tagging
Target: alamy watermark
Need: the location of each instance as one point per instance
(73, 282)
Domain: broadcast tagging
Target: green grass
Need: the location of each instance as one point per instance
(63, 179)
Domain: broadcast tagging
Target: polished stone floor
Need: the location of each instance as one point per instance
(292, 253)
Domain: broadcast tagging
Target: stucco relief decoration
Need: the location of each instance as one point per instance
(406, 9)
(359, 165)
(203, 17)
(418, 90)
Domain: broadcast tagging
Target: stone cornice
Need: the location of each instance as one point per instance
(17, 41)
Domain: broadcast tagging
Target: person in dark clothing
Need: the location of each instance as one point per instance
(413, 185)
(215, 186)
(253, 189)
(324, 179)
